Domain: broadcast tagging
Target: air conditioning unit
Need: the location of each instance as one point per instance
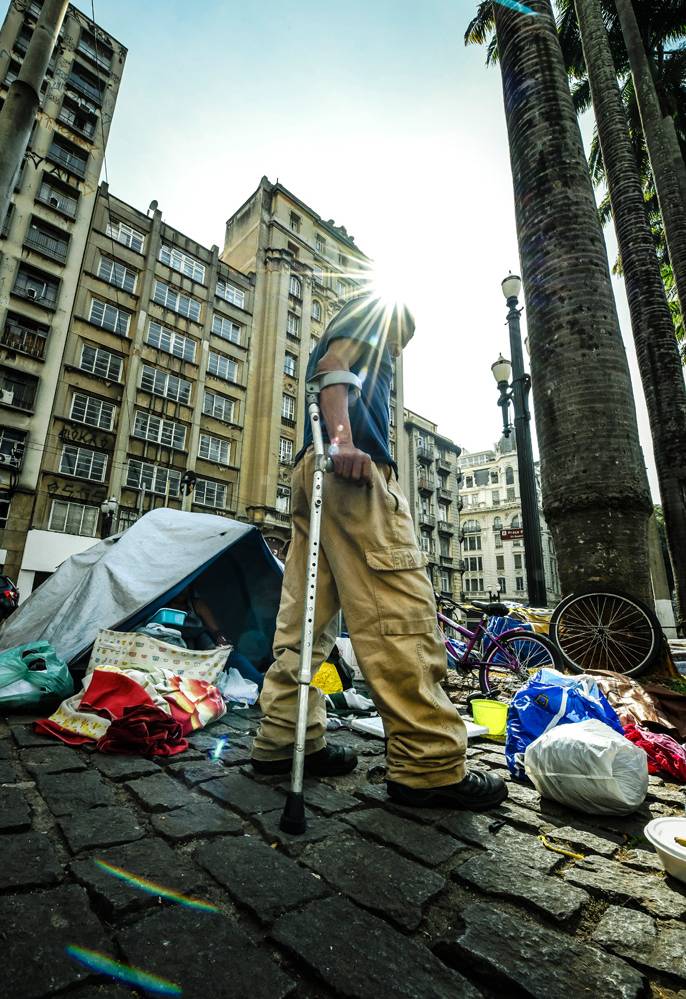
(55, 202)
(7, 395)
(31, 293)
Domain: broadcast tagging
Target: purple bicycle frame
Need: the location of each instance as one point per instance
(472, 638)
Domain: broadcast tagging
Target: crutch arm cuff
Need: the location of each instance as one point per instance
(327, 378)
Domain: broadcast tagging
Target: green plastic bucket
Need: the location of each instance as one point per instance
(492, 714)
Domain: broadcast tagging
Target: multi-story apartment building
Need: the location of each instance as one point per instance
(304, 268)
(491, 530)
(431, 481)
(42, 245)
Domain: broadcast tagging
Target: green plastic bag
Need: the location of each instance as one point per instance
(32, 674)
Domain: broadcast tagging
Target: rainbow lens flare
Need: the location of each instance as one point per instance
(152, 888)
(519, 7)
(136, 977)
(219, 748)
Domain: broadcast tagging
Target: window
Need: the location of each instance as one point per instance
(445, 582)
(502, 584)
(83, 463)
(476, 585)
(94, 412)
(63, 199)
(154, 478)
(80, 120)
(126, 518)
(226, 329)
(509, 476)
(472, 543)
(500, 563)
(285, 451)
(73, 518)
(230, 293)
(481, 477)
(117, 274)
(287, 407)
(209, 493)
(85, 83)
(316, 310)
(518, 561)
(319, 243)
(182, 262)
(293, 325)
(5, 503)
(109, 317)
(125, 234)
(318, 275)
(444, 544)
(48, 241)
(516, 521)
(219, 406)
(214, 449)
(443, 513)
(94, 49)
(290, 364)
(313, 342)
(471, 526)
(12, 446)
(495, 497)
(475, 564)
(294, 222)
(222, 366)
(149, 427)
(342, 260)
(341, 289)
(468, 481)
(100, 362)
(425, 541)
(295, 287)
(170, 341)
(36, 286)
(164, 384)
(70, 157)
(494, 477)
(519, 583)
(511, 492)
(283, 499)
(169, 298)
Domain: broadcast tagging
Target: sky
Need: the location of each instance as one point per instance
(373, 113)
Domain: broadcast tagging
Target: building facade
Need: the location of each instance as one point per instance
(304, 268)
(431, 482)
(491, 530)
(42, 247)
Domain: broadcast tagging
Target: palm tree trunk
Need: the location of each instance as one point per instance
(595, 489)
(651, 321)
(666, 162)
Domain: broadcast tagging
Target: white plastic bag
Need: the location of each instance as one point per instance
(589, 766)
(233, 687)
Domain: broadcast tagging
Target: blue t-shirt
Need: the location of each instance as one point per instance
(369, 415)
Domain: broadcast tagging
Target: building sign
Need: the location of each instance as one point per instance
(512, 533)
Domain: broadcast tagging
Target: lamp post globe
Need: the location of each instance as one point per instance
(502, 370)
(511, 285)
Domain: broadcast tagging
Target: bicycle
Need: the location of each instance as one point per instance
(505, 662)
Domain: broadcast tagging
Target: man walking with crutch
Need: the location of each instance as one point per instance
(370, 567)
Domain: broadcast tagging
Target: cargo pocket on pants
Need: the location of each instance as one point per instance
(402, 590)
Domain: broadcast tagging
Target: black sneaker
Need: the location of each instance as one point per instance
(331, 761)
(477, 792)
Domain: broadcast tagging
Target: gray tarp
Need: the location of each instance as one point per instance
(120, 582)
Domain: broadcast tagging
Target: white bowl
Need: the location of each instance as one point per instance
(661, 833)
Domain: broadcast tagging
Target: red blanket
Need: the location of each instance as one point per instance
(665, 755)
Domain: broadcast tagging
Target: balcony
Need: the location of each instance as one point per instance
(74, 164)
(24, 340)
(426, 484)
(46, 244)
(425, 453)
(43, 294)
(427, 520)
(446, 559)
(101, 56)
(445, 527)
(78, 123)
(17, 395)
(443, 464)
(446, 494)
(84, 87)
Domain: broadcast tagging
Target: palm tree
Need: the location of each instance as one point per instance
(595, 490)
(651, 320)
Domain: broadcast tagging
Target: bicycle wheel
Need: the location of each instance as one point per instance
(523, 652)
(606, 629)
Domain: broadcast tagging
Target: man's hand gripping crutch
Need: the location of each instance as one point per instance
(347, 461)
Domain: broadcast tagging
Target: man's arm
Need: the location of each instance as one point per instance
(348, 461)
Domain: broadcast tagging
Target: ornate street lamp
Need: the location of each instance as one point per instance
(108, 508)
(514, 385)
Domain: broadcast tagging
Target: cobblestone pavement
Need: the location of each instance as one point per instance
(373, 901)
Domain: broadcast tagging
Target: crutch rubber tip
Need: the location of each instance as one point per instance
(293, 816)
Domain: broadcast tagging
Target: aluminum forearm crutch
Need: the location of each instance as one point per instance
(293, 816)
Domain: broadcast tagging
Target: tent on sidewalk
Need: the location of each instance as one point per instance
(122, 581)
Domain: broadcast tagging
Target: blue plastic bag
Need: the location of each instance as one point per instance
(32, 673)
(550, 699)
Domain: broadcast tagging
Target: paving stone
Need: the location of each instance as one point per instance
(150, 859)
(243, 794)
(504, 876)
(187, 756)
(361, 745)
(235, 721)
(540, 962)
(617, 883)
(15, 814)
(4, 749)
(669, 795)
(196, 771)
(36, 929)
(375, 877)
(202, 818)
(25, 737)
(421, 843)
(28, 861)
(205, 954)
(160, 793)
(361, 957)
(635, 935)
(643, 860)
(52, 760)
(377, 794)
(8, 773)
(469, 827)
(102, 992)
(583, 840)
(496, 760)
(259, 878)
(325, 798)
(519, 816)
(66, 794)
(206, 740)
(101, 827)
(319, 828)
(124, 767)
